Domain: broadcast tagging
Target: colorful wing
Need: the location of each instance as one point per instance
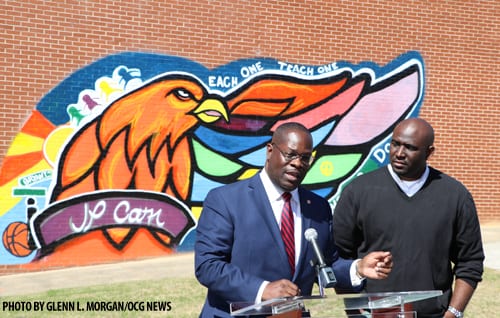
(347, 117)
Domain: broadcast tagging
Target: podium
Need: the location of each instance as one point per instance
(364, 305)
(385, 305)
(292, 307)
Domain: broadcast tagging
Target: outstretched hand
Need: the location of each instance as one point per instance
(375, 265)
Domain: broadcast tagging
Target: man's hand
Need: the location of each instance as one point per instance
(280, 288)
(375, 265)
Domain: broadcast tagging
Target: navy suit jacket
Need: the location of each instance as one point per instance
(239, 246)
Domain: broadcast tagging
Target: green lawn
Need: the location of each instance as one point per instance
(186, 298)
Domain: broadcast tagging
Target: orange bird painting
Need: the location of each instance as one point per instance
(141, 141)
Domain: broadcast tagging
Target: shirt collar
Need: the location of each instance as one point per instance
(274, 192)
(409, 187)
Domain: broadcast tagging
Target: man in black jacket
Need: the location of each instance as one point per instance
(427, 219)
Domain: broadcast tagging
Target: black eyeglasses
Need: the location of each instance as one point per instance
(305, 159)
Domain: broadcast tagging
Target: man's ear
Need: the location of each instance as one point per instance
(269, 150)
(430, 151)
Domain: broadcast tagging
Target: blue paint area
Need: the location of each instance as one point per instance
(226, 143)
(187, 243)
(203, 185)
(257, 158)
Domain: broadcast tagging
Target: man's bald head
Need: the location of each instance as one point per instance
(411, 145)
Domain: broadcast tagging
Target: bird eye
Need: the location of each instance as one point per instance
(183, 94)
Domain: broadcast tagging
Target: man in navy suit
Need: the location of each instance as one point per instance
(239, 251)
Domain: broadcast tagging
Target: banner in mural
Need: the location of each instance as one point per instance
(115, 161)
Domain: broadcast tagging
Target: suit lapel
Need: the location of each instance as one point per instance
(305, 210)
(265, 211)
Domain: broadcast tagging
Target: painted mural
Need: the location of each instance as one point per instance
(115, 161)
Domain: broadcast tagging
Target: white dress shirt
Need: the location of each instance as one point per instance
(274, 194)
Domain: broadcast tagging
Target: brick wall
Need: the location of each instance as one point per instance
(44, 41)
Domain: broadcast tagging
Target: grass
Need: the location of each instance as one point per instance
(186, 297)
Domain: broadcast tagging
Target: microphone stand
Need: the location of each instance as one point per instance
(324, 278)
(320, 283)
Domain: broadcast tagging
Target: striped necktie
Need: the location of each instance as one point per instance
(287, 229)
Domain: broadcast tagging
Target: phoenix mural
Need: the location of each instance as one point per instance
(115, 161)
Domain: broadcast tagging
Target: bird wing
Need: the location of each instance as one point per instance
(259, 104)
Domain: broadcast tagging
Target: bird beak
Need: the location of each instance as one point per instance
(210, 110)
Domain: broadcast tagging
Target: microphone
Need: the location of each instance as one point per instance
(325, 273)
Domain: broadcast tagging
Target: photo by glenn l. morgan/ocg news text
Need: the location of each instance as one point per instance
(70, 306)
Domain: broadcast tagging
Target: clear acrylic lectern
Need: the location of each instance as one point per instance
(375, 305)
(280, 307)
(364, 305)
